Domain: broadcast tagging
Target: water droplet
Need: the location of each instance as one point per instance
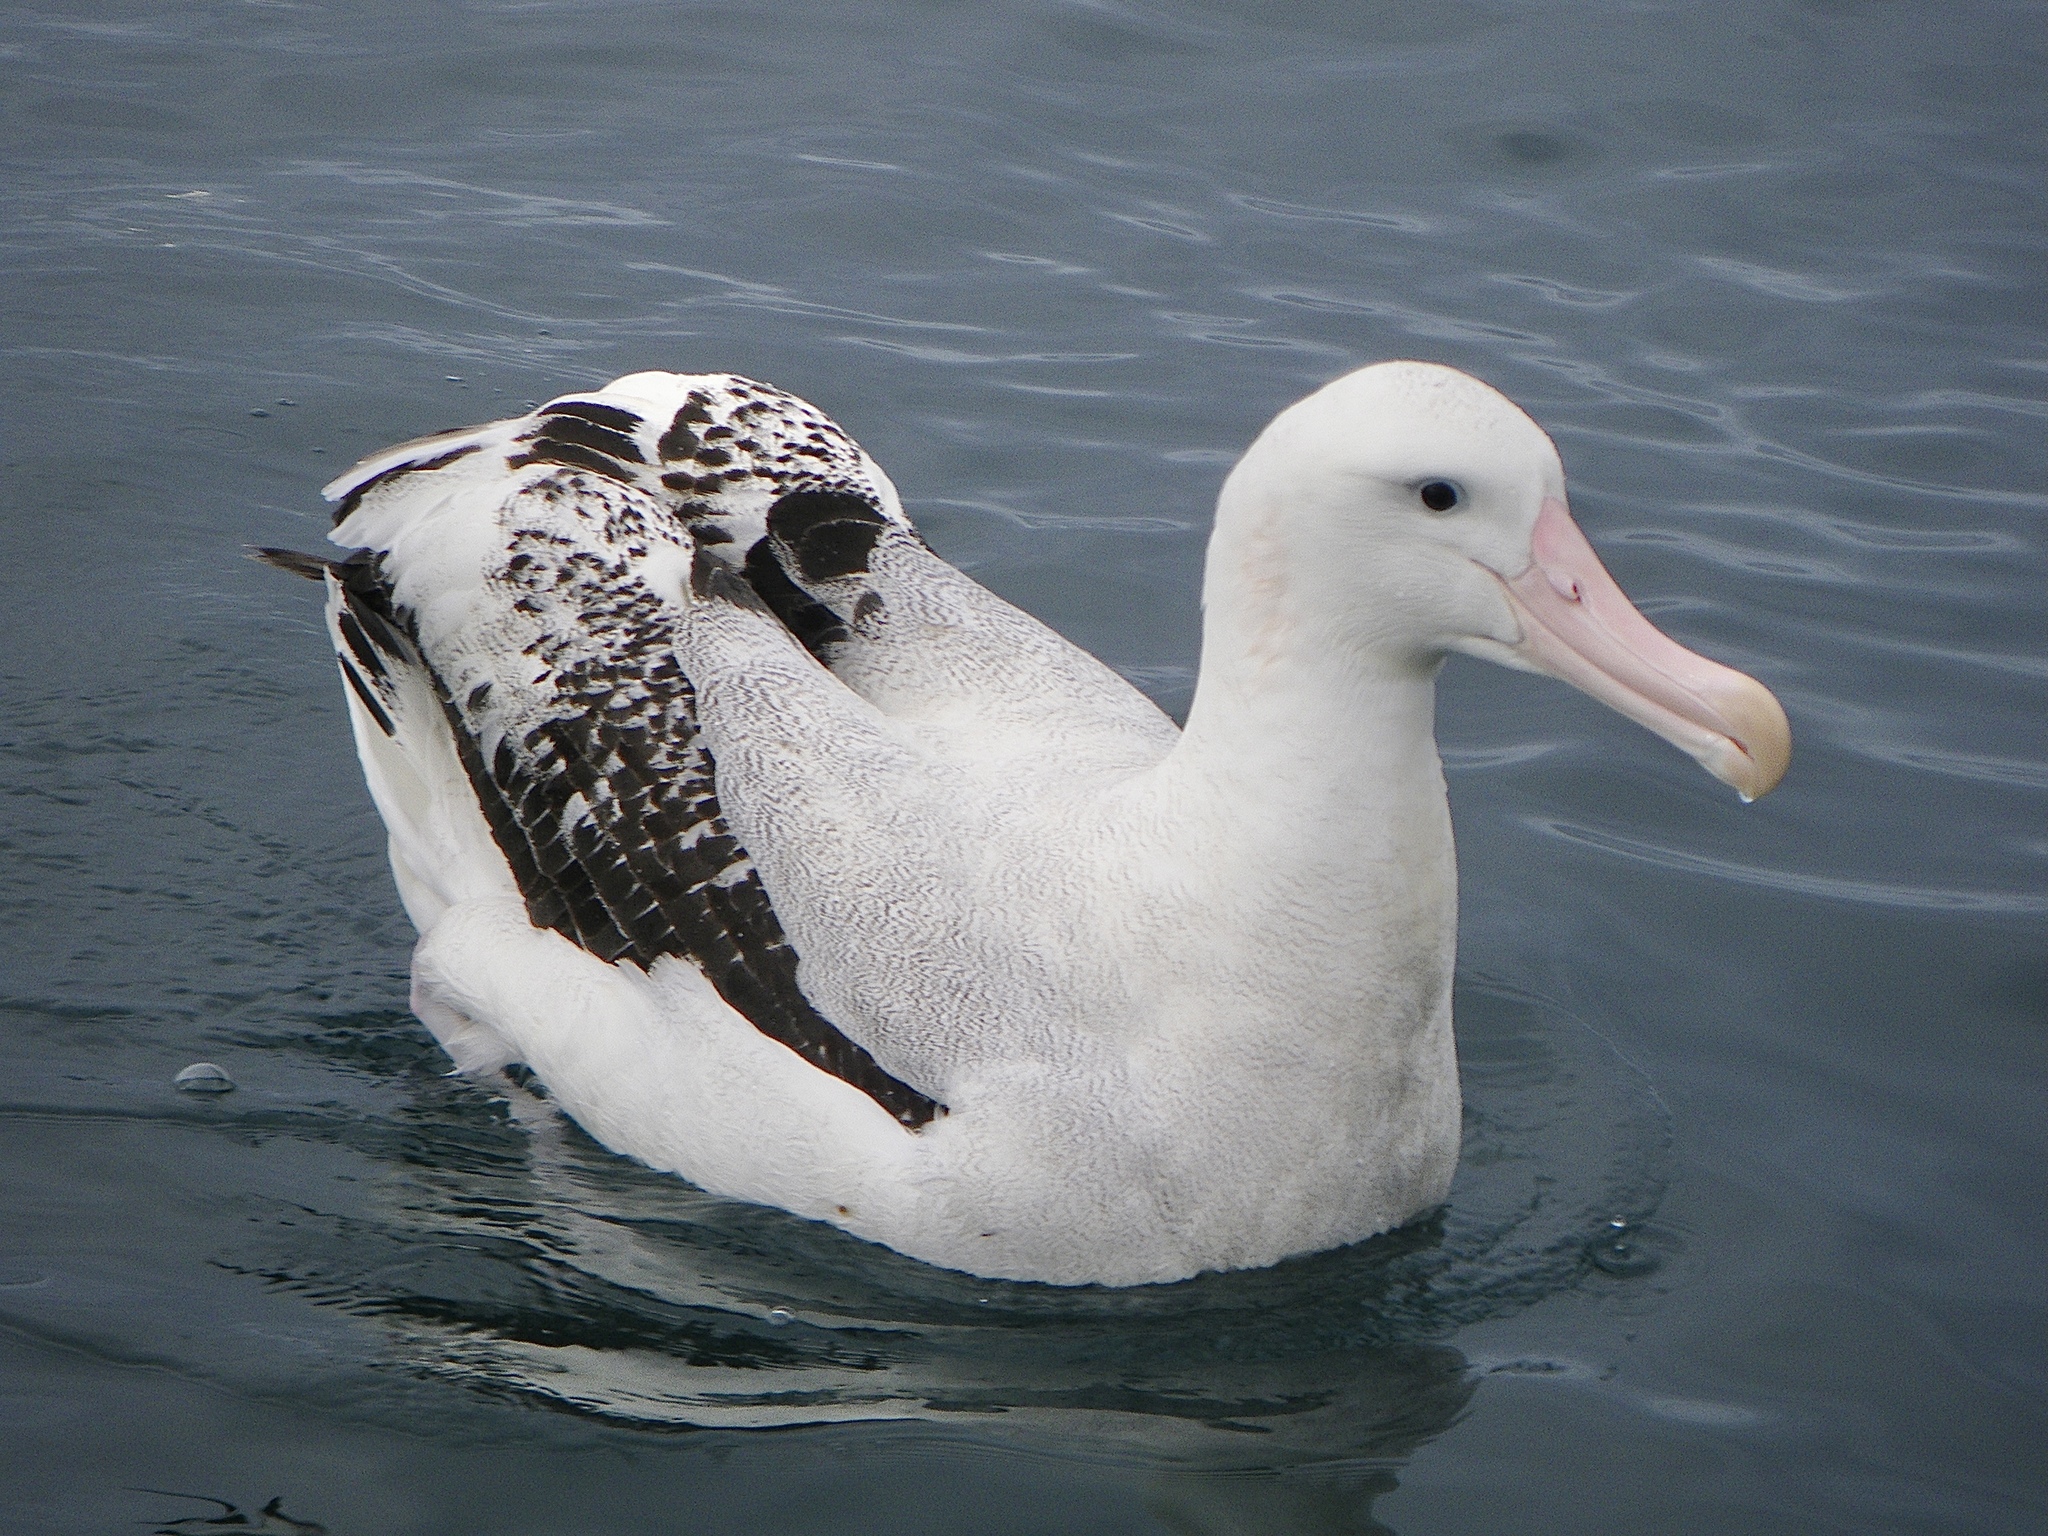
(1620, 1249)
(203, 1077)
(777, 1316)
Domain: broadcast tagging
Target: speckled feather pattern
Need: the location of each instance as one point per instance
(559, 683)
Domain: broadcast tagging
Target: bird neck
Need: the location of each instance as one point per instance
(1292, 713)
(1314, 752)
(1307, 880)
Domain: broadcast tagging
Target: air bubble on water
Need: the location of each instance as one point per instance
(203, 1077)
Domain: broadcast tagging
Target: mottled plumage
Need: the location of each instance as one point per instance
(559, 686)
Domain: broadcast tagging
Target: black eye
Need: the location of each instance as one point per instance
(1439, 495)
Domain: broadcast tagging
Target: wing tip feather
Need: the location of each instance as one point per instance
(293, 562)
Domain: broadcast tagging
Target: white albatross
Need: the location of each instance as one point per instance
(796, 863)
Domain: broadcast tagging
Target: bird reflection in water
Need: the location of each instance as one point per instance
(270, 1520)
(505, 1252)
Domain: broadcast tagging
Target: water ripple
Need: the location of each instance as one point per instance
(854, 165)
(1485, 759)
(953, 355)
(1782, 285)
(534, 1264)
(1102, 522)
(1159, 226)
(1714, 172)
(1829, 887)
(468, 199)
(1399, 223)
(1417, 322)
(1964, 765)
(784, 304)
(1565, 293)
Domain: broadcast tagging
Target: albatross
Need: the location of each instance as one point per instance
(794, 862)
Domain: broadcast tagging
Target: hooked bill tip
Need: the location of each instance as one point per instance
(1761, 737)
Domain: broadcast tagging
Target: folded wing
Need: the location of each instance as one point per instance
(512, 603)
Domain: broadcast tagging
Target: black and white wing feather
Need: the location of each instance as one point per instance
(514, 597)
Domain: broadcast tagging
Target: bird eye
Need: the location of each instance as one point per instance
(1439, 495)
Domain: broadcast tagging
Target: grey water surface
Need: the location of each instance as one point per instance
(1773, 276)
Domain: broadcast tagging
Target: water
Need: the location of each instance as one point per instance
(1770, 274)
